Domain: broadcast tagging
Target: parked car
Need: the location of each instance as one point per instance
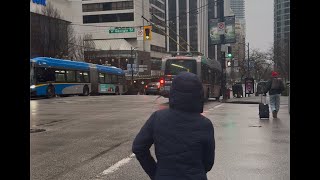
(152, 88)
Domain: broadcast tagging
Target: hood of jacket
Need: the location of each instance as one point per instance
(186, 93)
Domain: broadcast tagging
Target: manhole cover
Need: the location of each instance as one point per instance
(36, 130)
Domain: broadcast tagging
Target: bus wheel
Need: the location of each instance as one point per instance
(86, 90)
(51, 91)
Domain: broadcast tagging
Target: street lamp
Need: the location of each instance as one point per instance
(131, 52)
(248, 61)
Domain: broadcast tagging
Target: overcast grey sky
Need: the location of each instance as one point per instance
(259, 23)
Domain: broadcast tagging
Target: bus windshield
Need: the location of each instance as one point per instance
(175, 66)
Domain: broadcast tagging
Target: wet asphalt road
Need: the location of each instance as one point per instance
(91, 138)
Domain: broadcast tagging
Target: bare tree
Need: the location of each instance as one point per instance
(57, 37)
(50, 11)
(81, 44)
(260, 64)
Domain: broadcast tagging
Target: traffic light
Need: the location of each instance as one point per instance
(147, 32)
(229, 52)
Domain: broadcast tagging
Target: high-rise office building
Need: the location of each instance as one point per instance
(282, 36)
(238, 8)
(188, 25)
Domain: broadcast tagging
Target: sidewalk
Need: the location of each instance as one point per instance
(247, 147)
(255, 100)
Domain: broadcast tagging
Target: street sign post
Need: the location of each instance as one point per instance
(140, 34)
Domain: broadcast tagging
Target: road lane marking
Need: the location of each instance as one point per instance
(116, 166)
(218, 106)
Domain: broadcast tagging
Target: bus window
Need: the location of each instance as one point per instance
(71, 76)
(114, 79)
(86, 77)
(45, 74)
(79, 76)
(101, 78)
(60, 75)
(108, 78)
(175, 66)
(120, 79)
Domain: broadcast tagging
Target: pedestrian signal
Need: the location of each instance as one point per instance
(229, 63)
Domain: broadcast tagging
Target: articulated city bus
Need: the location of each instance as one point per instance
(208, 71)
(50, 77)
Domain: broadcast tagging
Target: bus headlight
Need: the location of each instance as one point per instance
(32, 86)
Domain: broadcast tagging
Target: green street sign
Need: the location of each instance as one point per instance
(121, 30)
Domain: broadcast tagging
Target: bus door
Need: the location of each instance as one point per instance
(94, 78)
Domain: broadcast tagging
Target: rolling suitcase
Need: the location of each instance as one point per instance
(263, 108)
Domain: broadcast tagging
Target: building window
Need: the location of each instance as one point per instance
(278, 6)
(157, 12)
(157, 48)
(109, 6)
(287, 4)
(287, 35)
(287, 16)
(157, 29)
(278, 24)
(286, 23)
(278, 18)
(287, 28)
(157, 3)
(278, 29)
(108, 18)
(287, 10)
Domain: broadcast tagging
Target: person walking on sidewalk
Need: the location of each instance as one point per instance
(183, 138)
(275, 87)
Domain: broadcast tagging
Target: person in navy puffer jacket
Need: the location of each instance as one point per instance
(183, 138)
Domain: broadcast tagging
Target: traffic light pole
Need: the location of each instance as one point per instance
(131, 65)
(223, 56)
(248, 62)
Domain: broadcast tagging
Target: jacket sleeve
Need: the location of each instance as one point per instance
(209, 150)
(141, 147)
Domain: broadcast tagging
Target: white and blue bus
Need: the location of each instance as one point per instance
(50, 77)
(208, 71)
